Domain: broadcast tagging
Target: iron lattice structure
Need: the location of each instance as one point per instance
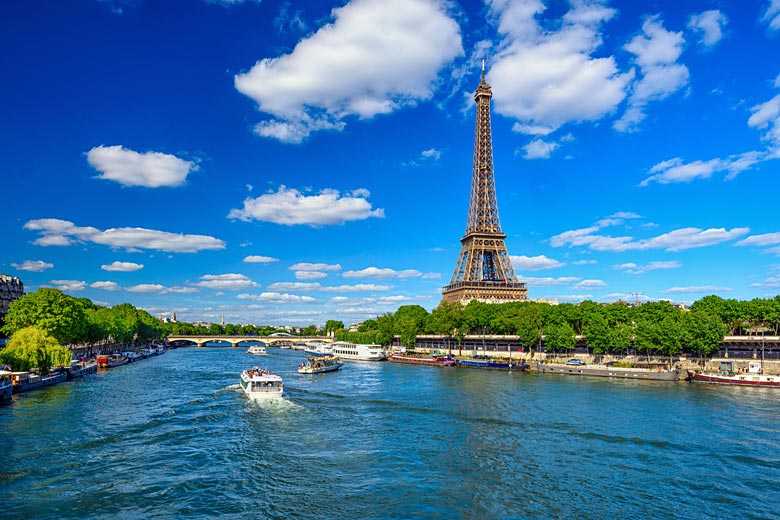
(484, 271)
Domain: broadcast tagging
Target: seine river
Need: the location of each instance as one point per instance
(174, 437)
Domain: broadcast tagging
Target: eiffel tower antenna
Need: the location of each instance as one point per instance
(484, 271)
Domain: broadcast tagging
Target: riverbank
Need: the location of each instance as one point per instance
(770, 366)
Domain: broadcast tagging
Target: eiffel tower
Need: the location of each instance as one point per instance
(484, 271)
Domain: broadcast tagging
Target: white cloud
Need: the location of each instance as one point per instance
(766, 116)
(310, 275)
(655, 52)
(226, 282)
(548, 281)
(275, 297)
(547, 78)
(767, 239)
(773, 282)
(361, 287)
(431, 153)
(147, 288)
(385, 272)
(709, 25)
(584, 262)
(590, 284)
(131, 168)
(376, 57)
(306, 266)
(106, 286)
(772, 15)
(431, 276)
(344, 300)
(35, 266)
(187, 290)
(290, 207)
(394, 299)
(710, 289)
(675, 170)
(539, 149)
(288, 21)
(534, 263)
(294, 286)
(677, 240)
(652, 266)
(69, 285)
(64, 233)
(258, 259)
(125, 267)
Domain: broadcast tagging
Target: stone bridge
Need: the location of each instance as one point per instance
(236, 340)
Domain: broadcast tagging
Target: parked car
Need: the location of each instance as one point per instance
(575, 361)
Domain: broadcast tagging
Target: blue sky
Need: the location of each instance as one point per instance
(283, 162)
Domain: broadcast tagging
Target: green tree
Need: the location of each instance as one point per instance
(530, 323)
(216, 329)
(477, 316)
(410, 320)
(506, 318)
(333, 326)
(447, 319)
(367, 326)
(622, 337)
(663, 337)
(702, 332)
(385, 327)
(559, 337)
(122, 322)
(33, 347)
(598, 333)
(50, 310)
(310, 330)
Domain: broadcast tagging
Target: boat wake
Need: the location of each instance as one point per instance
(281, 404)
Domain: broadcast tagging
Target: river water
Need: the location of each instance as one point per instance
(174, 437)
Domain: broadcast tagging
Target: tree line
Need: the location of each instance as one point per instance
(651, 328)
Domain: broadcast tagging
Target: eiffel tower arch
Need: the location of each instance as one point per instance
(484, 270)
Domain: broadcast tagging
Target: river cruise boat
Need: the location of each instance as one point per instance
(6, 386)
(81, 368)
(26, 381)
(261, 384)
(753, 376)
(487, 362)
(320, 364)
(318, 347)
(655, 374)
(257, 350)
(413, 358)
(111, 360)
(359, 351)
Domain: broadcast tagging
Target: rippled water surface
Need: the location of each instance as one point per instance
(174, 437)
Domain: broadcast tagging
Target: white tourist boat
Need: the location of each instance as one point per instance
(257, 350)
(359, 351)
(261, 384)
(320, 364)
(318, 347)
